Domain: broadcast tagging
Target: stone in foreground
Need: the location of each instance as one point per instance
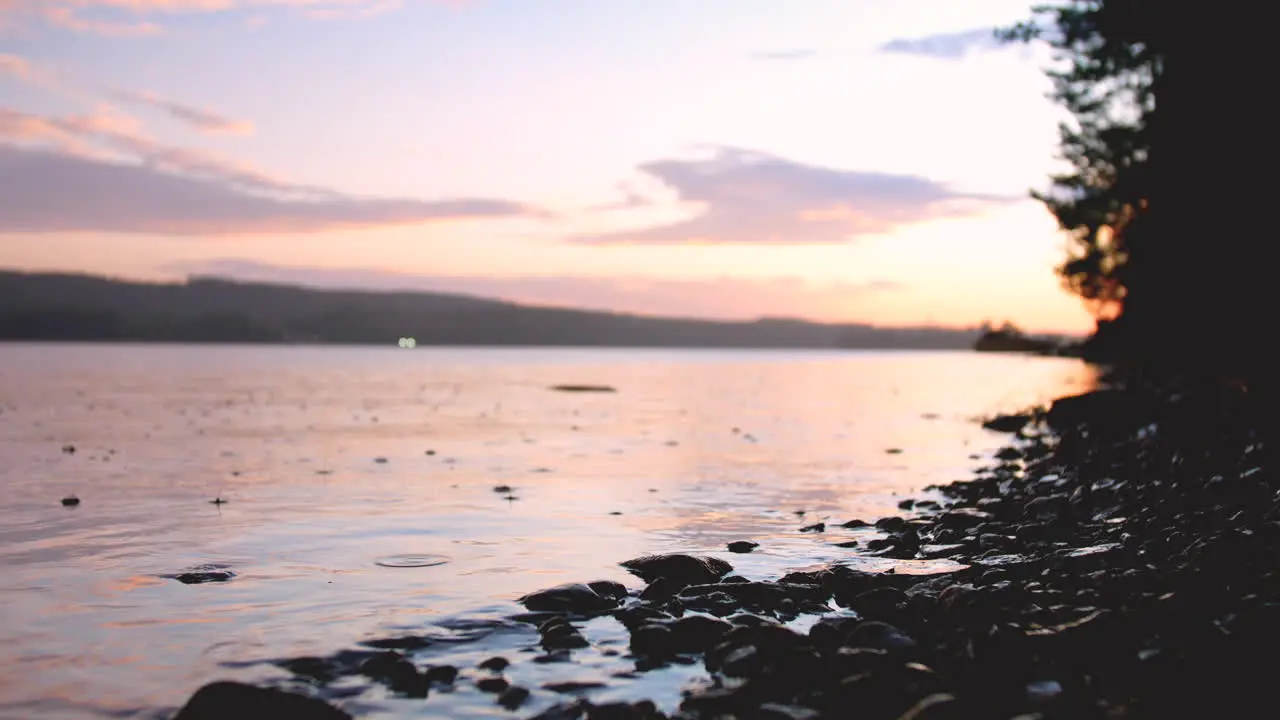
(571, 597)
(681, 569)
(219, 700)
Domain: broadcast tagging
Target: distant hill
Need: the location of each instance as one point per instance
(207, 309)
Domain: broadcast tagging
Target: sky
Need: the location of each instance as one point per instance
(836, 160)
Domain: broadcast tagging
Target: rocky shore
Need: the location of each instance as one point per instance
(1121, 561)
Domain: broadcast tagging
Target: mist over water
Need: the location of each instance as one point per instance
(360, 489)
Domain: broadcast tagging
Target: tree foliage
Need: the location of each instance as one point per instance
(1168, 202)
(1110, 60)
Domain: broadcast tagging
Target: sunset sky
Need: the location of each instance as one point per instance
(839, 160)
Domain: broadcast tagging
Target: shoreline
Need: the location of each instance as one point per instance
(1121, 563)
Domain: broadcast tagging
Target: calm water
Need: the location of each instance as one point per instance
(696, 449)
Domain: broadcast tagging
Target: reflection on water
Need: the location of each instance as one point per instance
(335, 462)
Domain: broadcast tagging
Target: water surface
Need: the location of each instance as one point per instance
(360, 492)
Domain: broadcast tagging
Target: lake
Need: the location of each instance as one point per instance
(339, 464)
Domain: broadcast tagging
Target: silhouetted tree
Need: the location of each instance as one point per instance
(1109, 70)
(1162, 246)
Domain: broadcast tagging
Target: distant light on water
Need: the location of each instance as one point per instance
(408, 343)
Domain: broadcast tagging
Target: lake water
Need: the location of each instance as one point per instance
(334, 459)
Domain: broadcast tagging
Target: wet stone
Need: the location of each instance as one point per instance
(219, 700)
(572, 597)
(406, 642)
(197, 577)
(492, 684)
(880, 635)
(569, 687)
(513, 697)
(397, 673)
(637, 615)
(697, 633)
(678, 568)
(660, 590)
(496, 664)
(653, 641)
(743, 546)
(442, 674)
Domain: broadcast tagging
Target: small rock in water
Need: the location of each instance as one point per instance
(196, 578)
(380, 460)
(893, 451)
(678, 568)
(503, 489)
(202, 574)
(816, 527)
(444, 674)
(496, 664)
(1006, 423)
(743, 546)
(653, 640)
(69, 449)
(224, 699)
(513, 697)
(559, 634)
(571, 597)
(431, 452)
(70, 501)
(492, 684)
(584, 388)
(1008, 453)
(568, 687)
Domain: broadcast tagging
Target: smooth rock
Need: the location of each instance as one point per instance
(223, 700)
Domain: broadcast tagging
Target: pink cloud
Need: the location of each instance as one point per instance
(67, 18)
(202, 119)
(14, 66)
(48, 191)
(126, 18)
(747, 197)
(100, 172)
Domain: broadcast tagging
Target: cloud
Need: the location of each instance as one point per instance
(950, 46)
(721, 297)
(69, 19)
(99, 172)
(125, 18)
(355, 11)
(22, 127)
(14, 66)
(109, 134)
(797, 54)
(751, 197)
(204, 120)
(47, 191)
